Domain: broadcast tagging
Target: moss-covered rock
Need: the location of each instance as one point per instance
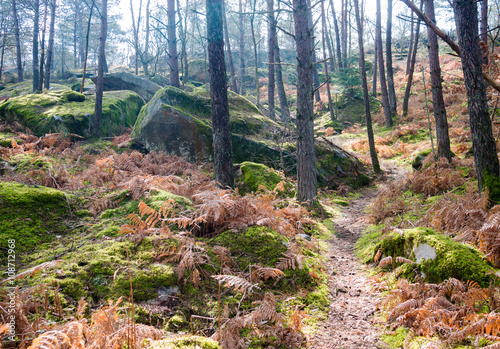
(419, 159)
(32, 215)
(66, 111)
(452, 259)
(198, 71)
(6, 139)
(255, 175)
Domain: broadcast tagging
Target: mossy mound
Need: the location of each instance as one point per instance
(6, 139)
(26, 87)
(257, 244)
(32, 215)
(198, 71)
(451, 259)
(23, 163)
(256, 175)
(70, 112)
(186, 342)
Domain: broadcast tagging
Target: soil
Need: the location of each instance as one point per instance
(350, 323)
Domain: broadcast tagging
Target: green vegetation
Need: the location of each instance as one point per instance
(256, 175)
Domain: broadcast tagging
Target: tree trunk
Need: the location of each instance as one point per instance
(87, 47)
(81, 47)
(483, 143)
(285, 111)
(223, 158)
(327, 78)
(337, 37)
(375, 68)
(255, 53)
(172, 45)
(100, 70)
(145, 56)
(388, 54)
(414, 51)
(50, 50)
(242, 50)
(185, 74)
(271, 43)
(42, 49)
(75, 36)
(369, 129)
(306, 158)
(410, 48)
(18, 42)
(4, 42)
(443, 138)
(330, 48)
(381, 69)
(234, 86)
(484, 26)
(135, 29)
(313, 50)
(36, 5)
(343, 32)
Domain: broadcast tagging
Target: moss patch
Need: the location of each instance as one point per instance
(6, 139)
(256, 175)
(66, 111)
(258, 245)
(187, 342)
(32, 214)
(452, 259)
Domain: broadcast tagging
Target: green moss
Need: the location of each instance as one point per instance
(492, 184)
(258, 245)
(186, 342)
(255, 175)
(32, 214)
(65, 111)
(6, 139)
(319, 298)
(395, 339)
(23, 163)
(419, 158)
(453, 259)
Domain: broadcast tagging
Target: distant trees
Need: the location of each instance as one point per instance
(381, 68)
(100, 70)
(18, 42)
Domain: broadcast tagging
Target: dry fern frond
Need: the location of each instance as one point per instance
(385, 262)
(265, 311)
(400, 259)
(51, 340)
(296, 319)
(260, 273)
(237, 283)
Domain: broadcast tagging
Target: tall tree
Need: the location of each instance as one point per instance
(241, 28)
(337, 36)
(388, 53)
(36, 5)
(173, 61)
(306, 158)
(271, 38)
(234, 86)
(87, 47)
(18, 42)
(145, 55)
(285, 111)
(100, 70)
(381, 69)
(135, 29)
(223, 158)
(50, 49)
(327, 77)
(414, 51)
(483, 142)
(42, 49)
(375, 68)
(443, 138)
(410, 47)
(362, 67)
(313, 50)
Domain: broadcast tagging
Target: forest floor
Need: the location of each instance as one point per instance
(351, 323)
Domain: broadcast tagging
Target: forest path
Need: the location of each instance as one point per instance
(350, 322)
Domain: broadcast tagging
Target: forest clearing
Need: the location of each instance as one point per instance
(342, 195)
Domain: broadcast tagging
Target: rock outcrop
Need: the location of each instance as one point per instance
(126, 81)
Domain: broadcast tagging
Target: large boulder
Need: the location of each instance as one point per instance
(179, 123)
(126, 81)
(71, 112)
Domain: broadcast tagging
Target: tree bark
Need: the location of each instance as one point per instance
(42, 50)
(234, 86)
(381, 69)
(484, 26)
(145, 56)
(36, 4)
(483, 143)
(369, 128)
(375, 68)
(87, 47)
(50, 50)
(255, 53)
(306, 159)
(443, 138)
(327, 78)
(135, 29)
(409, 81)
(183, 30)
(223, 158)
(313, 50)
(18, 42)
(271, 46)
(343, 31)
(242, 50)
(172, 45)
(388, 54)
(100, 70)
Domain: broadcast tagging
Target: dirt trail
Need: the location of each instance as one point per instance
(350, 319)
